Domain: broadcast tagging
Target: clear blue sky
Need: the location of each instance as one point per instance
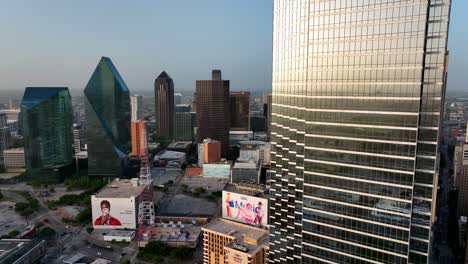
(58, 43)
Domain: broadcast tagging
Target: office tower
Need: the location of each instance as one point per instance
(209, 151)
(164, 106)
(216, 75)
(184, 129)
(267, 114)
(79, 138)
(47, 128)
(212, 120)
(139, 140)
(107, 105)
(136, 102)
(239, 106)
(177, 98)
(183, 108)
(5, 137)
(358, 88)
(14, 160)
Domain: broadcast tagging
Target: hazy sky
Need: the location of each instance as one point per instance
(59, 43)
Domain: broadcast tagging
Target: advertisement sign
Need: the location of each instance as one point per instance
(234, 256)
(113, 213)
(244, 208)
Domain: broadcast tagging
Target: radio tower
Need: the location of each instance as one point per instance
(146, 212)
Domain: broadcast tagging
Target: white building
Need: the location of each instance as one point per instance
(136, 102)
(14, 160)
(254, 151)
(79, 138)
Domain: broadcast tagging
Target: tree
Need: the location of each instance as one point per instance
(182, 253)
(1, 195)
(47, 232)
(89, 230)
(13, 233)
(124, 261)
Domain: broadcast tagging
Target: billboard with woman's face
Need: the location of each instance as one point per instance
(113, 213)
(244, 208)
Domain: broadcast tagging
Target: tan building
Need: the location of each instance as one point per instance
(461, 179)
(229, 242)
(14, 160)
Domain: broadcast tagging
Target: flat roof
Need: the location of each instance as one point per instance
(240, 231)
(247, 189)
(245, 165)
(14, 150)
(120, 188)
(180, 144)
(169, 154)
(253, 142)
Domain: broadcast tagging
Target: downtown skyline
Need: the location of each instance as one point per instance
(243, 49)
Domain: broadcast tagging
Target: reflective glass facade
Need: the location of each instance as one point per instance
(47, 118)
(358, 89)
(107, 106)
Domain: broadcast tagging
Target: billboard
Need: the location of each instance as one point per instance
(244, 208)
(234, 256)
(113, 213)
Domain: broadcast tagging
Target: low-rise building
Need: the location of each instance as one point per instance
(255, 150)
(217, 170)
(14, 160)
(175, 231)
(169, 158)
(229, 242)
(246, 172)
(69, 212)
(235, 137)
(21, 251)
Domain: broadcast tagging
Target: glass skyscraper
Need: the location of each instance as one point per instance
(47, 118)
(358, 90)
(107, 106)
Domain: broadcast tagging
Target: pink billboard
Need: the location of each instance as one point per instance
(244, 208)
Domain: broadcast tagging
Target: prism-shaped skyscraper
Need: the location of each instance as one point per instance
(47, 128)
(107, 104)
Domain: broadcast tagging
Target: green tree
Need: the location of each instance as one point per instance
(124, 261)
(182, 253)
(47, 232)
(13, 233)
(89, 230)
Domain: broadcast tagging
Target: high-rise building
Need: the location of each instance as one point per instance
(5, 137)
(212, 120)
(139, 140)
(267, 114)
(357, 88)
(136, 102)
(79, 138)
(183, 108)
(239, 109)
(47, 128)
(107, 105)
(461, 178)
(164, 106)
(14, 160)
(184, 129)
(177, 98)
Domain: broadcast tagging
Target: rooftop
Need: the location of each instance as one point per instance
(120, 189)
(247, 189)
(253, 142)
(169, 155)
(245, 165)
(180, 144)
(253, 238)
(14, 151)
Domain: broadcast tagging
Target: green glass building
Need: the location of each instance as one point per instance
(47, 128)
(107, 106)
